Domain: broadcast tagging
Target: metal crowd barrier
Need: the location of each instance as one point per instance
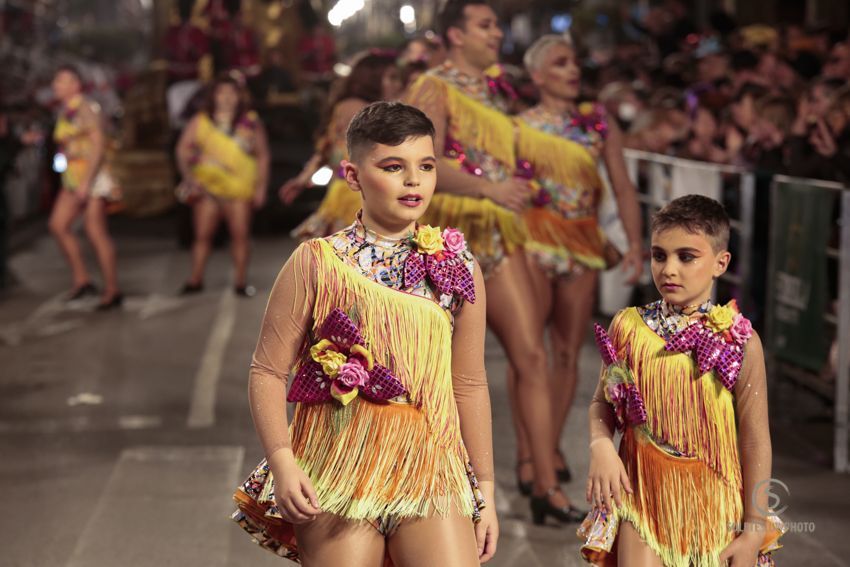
(807, 235)
(659, 179)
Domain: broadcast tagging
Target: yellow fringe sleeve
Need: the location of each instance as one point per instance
(367, 459)
(557, 159)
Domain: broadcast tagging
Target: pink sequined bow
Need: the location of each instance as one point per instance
(710, 351)
(340, 335)
(620, 387)
(446, 271)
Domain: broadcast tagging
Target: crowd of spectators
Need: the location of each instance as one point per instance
(772, 98)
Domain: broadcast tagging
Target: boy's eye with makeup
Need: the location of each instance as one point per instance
(391, 168)
(686, 257)
(427, 167)
(658, 256)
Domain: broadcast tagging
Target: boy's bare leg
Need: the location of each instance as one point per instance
(632, 551)
(331, 540)
(447, 542)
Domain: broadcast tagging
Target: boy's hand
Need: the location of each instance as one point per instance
(607, 475)
(294, 493)
(743, 551)
(487, 532)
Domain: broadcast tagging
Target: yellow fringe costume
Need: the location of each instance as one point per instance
(72, 135)
(479, 140)
(565, 237)
(380, 463)
(684, 465)
(225, 165)
(340, 204)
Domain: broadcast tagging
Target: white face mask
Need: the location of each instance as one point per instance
(627, 111)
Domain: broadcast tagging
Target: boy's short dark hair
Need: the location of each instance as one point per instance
(695, 213)
(453, 15)
(388, 123)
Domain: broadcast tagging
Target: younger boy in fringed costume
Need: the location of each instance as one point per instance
(467, 98)
(684, 380)
(383, 326)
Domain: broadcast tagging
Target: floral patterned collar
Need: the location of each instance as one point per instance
(489, 88)
(587, 125)
(666, 320)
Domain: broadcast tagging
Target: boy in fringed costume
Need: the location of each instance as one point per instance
(479, 192)
(389, 456)
(684, 380)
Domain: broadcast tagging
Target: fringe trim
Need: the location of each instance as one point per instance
(693, 413)
(682, 509)
(383, 461)
(563, 161)
(235, 172)
(478, 126)
(580, 239)
(478, 220)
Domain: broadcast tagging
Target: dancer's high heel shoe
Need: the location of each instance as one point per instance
(82, 291)
(564, 475)
(114, 303)
(542, 507)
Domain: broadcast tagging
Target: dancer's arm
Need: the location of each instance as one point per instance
(430, 97)
(91, 121)
(185, 149)
(756, 453)
(627, 202)
(285, 325)
(469, 380)
(263, 164)
(607, 474)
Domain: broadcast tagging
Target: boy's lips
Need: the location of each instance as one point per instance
(671, 286)
(411, 200)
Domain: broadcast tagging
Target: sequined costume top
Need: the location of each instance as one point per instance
(559, 154)
(476, 136)
(385, 341)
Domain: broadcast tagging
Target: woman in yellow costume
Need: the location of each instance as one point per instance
(467, 99)
(560, 146)
(381, 328)
(87, 188)
(223, 156)
(374, 76)
(684, 380)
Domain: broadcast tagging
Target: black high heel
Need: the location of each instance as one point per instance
(191, 288)
(82, 291)
(525, 487)
(114, 303)
(564, 475)
(541, 508)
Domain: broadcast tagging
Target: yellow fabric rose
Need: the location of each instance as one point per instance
(720, 318)
(429, 240)
(585, 108)
(330, 360)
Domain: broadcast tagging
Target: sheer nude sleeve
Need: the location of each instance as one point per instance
(285, 326)
(754, 431)
(469, 379)
(428, 94)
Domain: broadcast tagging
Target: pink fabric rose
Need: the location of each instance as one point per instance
(352, 374)
(454, 241)
(741, 329)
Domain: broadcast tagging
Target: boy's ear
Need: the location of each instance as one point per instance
(721, 263)
(351, 175)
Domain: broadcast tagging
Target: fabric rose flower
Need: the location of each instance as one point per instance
(741, 329)
(586, 108)
(720, 318)
(428, 240)
(331, 361)
(352, 374)
(453, 240)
